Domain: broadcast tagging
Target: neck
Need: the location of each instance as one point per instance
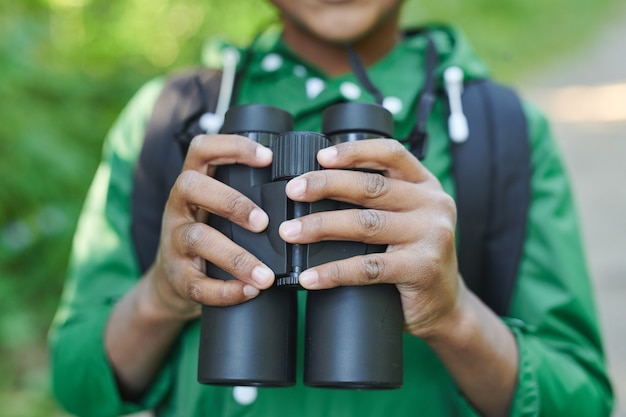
(331, 57)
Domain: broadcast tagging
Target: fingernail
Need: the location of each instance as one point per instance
(308, 278)
(327, 154)
(297, 187)
(258, 219)
(291, 228)
(250, 292)
(262, 275)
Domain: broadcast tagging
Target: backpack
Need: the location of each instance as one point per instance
(491, 170)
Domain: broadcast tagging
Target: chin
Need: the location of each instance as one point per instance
(341, 31)
(341, 38)
(339, 22)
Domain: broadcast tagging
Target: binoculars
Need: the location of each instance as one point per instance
(353, 334)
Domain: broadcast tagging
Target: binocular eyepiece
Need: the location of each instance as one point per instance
(353, 334)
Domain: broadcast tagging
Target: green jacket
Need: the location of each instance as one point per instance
(561, 369)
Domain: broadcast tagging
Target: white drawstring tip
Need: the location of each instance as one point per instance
(458, 128)
(211, 123)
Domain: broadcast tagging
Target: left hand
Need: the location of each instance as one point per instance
(405, 208)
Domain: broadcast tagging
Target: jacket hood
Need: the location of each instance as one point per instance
(270, 66)
(453, 48)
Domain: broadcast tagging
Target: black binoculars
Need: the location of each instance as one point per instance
(353, 334)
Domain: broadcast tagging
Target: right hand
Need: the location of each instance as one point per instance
(177, 278)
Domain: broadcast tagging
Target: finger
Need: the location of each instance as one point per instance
(395, 266)
(362, 188)
(358, 225)
(193, 191)
(200, 240)
(369, 269)
(211, 150)
(386, 155)
(201, 289)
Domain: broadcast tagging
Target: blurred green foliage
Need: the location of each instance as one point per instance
(68, 66)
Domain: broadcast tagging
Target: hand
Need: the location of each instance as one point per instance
(405, 208)
(177, 278)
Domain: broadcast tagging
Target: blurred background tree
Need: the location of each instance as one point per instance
(68, 66)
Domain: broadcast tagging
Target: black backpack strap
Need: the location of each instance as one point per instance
(172, 125)
(492, 175)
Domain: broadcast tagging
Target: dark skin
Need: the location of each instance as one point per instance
(319, 34)
(406, 208)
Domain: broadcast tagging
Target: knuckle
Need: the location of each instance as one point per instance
(447, 204)
(447, 235)
(192, 237)
(238, 261)
(236, 204)
(395, 148)
(194, 291)
(186, 183)
(446, 214)
(432, 262)
(373, 268)
(198, 142)
(429, 269)
(335, 273)
(375, 185)
(371, 221)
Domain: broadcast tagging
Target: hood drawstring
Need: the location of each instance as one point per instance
(361, 74)
(457, 122)
(212, 122)
(417, 139)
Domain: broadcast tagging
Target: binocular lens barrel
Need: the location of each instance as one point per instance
(253, 343)
(347, 122)
(353, 334)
